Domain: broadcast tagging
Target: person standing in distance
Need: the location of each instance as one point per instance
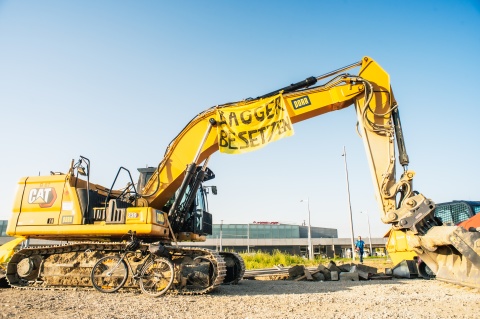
(359, 244)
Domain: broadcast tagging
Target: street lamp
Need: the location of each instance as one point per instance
(349, 203)
(369, 234)
(310, 250)
(221, 234)
(248, 237)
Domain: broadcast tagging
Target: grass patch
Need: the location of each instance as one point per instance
(259, 260)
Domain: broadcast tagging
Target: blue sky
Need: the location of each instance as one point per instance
(116, 81)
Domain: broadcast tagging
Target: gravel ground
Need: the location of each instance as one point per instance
(414, 298)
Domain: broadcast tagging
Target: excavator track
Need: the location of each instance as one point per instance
(216, 273)
(3, 279)
(56, 266)
(235, 268)
(63, 267)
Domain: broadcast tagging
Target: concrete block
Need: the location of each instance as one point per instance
(362, 274)
(318, 276)
(334, 275)
(296, 271)
(333, 267)
(345, 267)
(325, 271)
(367, 269)
(349, 276)
(321, 268)
(307, 274)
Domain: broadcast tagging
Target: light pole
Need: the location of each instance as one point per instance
(221, 233)
(349, 203)
(369, 234)
(248, 238)
(310, 250)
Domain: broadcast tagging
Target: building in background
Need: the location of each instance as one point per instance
(3, 227)
(272, 230)
(292, 239)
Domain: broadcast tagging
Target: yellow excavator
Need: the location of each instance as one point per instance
(168, 205)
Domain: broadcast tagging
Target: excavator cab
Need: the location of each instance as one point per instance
(198, 219)
(145, 174)
(190, 217)
(188, 209)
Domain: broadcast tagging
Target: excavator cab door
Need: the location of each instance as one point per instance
(202, 223)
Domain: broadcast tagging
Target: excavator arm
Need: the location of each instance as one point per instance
(451, 252)
(376, 108)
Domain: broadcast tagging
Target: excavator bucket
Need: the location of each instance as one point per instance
(398, 248)
(452, 253)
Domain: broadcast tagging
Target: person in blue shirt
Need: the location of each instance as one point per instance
(359, 244)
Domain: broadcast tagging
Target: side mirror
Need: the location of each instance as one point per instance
(214, 190)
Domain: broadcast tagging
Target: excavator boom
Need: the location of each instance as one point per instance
(301, 104)
(377, 113)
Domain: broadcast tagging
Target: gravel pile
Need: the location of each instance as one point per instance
(415, 298)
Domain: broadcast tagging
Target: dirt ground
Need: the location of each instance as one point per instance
(406, 298)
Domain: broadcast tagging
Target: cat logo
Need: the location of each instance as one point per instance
(44, 197)
(301, 102)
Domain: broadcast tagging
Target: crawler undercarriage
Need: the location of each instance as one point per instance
(197, 270)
